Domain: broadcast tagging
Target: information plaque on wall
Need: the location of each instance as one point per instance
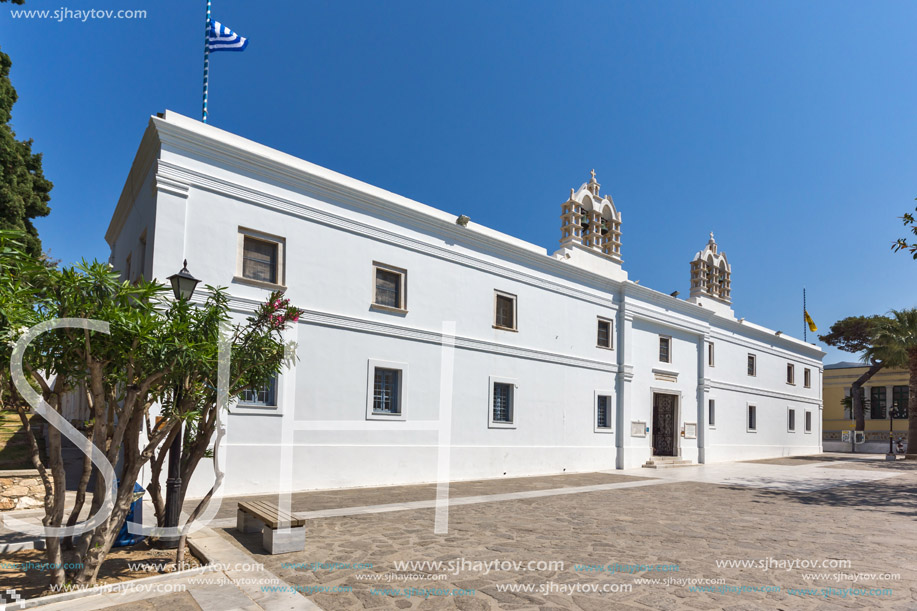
(637, 428)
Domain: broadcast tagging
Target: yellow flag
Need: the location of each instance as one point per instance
(810, 322)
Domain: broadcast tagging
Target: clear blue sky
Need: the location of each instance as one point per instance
(788, 128)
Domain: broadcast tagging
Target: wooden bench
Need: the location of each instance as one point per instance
(281, 532)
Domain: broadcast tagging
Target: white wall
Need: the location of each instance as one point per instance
(332, 237)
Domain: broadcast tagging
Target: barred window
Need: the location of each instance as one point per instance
(603, 412)
(752, 365)
(387, 391)
(665, 349)
(503, 402)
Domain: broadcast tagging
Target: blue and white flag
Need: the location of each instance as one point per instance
(221, 38)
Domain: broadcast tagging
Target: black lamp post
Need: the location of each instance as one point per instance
(183, 285)
(891, 433)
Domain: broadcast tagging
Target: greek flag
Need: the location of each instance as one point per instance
(221, 38)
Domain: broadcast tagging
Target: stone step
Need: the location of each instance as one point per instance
(667, 462)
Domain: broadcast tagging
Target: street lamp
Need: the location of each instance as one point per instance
(183, 285)
(891, 433)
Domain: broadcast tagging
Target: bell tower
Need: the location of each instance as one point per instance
(711, 279)
(589, 222)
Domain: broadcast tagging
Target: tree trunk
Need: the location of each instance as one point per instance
(192, 458)
(102, 538)
(912, 407)
(856, 400)
(180, 553)
(56, 515)
(80, 498)
(209, 429)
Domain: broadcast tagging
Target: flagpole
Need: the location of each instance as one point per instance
(805, 323)
(206, 59)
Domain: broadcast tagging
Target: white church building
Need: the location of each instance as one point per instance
(430, 340)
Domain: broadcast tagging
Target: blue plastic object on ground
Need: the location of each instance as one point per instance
(135, 514)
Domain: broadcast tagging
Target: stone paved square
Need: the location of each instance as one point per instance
(786, 513)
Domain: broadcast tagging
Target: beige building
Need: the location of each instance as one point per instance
(884, 395)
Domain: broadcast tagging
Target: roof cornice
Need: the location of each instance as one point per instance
(206, 142)
(182, 134)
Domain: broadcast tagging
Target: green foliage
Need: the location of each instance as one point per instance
(24, 190)
(908, 220)
(852, 334)
(158, 350)
(895, 338)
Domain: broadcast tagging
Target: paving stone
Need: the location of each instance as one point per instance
(740, 511)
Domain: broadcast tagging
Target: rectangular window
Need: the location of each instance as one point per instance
(752, 365)
(259, 260)
(262, 396)
(665, 349)
(503, 402)
(899, 402)
(603, 412)
(127, 268)
(808, 423)
(791, 420)
(387, 391)
(790, 374)
(390, 285)
(603, 334)
(807, 377)
(711, 361)
(711, 413)
(877, 403)
(504, 311)
(752, 418)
